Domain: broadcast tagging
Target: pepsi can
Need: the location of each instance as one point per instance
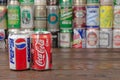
(2, 38)
(19, 51)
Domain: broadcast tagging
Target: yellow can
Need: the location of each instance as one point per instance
(106, 17)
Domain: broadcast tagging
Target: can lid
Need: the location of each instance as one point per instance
(3, 2)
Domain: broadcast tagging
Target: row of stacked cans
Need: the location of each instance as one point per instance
(30, 50)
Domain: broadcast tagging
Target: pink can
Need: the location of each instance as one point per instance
(79, 13)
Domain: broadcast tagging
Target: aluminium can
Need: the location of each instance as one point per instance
(106, 16)
(105, 38)
(79, 16)
(106, 2)
(41, 50)
(52, 2)
(19, 51)
(79, 38)
(116, 2)
(55, 39)
(63, 2)
(2, 39)
(26, 17)
(92, 38)
(3, 17)
(116, 22)
(40, 17)
(92, 17)
(40, 2)
(92, 1)
(116, 38)
(79, 2)
(65, 40)
(52, 18)
(26, 2)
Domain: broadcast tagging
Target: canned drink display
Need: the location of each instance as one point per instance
(79, 38)
(106, 17)
(26, 2)
(79, 2)
(40, 17)
(40, 2)
(116, 38)
(116, 2)
(92, 1)
(92, 17)
(65, 17)
(79, 16)
(3, 17)
(41, 50)
(52, 2)
(106, 2)
(55, 39)
(52, 18)
(27, 17)
(19, 51)
(92, 38)
(65, 40)
(116, 23)
(105, 38)
(13, 14)
(2, 39)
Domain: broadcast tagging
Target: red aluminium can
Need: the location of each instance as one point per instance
(79, 13)
(41, 50)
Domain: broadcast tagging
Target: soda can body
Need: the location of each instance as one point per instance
(55, 39)
(3, 17)
(79, 38)
(116, 38)
(116, 2)
(66, 17)
(92, 38)
(19, 51)
(13, 16)
(52, 2)
(41, 50)
(106, 2)
(106, 17)
(40, 2)
(26, 2)
(79, 16)
(92, 17)
(116, 23)
(65, 40)
(105, 38)
(26, 17)
(40, 17)
(52, 18)
(2, 39)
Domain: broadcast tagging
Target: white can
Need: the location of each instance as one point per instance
(26, 17)
(105, 38)
(116, 17)
(92, 36)
(116, 38)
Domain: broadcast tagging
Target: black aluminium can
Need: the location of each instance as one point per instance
(55, 39)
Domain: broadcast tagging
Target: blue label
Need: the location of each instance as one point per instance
(11, 46)
(52, 18)
(28, 49)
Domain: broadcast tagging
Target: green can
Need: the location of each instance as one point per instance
(65, 38)
(116, 2)
(66, 17)
(65, 2)
(13, 16)
(93, 1)
(26, 2)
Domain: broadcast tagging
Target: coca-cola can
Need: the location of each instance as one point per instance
(116, 38)
(92, 36)
(79, 16)
(41, 45)
(105, 38)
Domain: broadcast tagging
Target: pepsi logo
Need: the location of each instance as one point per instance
(20, 43)
(2, 36)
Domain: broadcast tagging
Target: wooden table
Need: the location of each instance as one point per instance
(70, 64)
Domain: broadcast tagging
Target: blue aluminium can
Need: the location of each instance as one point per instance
(79, 38)
(92, 17)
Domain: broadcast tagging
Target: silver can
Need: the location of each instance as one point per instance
(26, 17)
(105, 38)
(116, 38)
(52, 18)
(40, 17)
(92, 36)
